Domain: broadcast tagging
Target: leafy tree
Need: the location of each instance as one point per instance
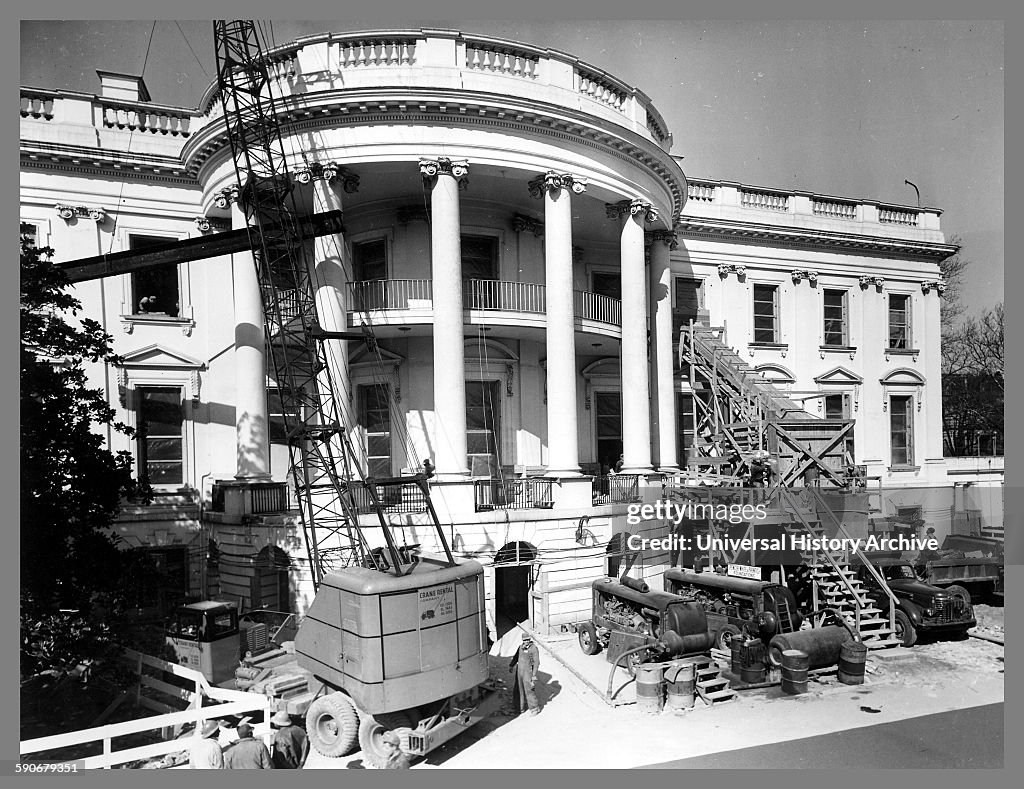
(72, 571)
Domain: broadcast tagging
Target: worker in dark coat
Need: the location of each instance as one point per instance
(396, 758)
(248, 753)
(525, 663)
(291, 745)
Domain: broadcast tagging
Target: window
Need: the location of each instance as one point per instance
(605, 283)
(30, 231)
(375, 417)
(835, 406)
(479, 257)
(154, 290)
(370, 260)
(901, 429)
(766, 313)
(161, 418)
(278, 417)
(482, 415)
(899, 321)
(608, 424)
(836, 332)
(687, 303)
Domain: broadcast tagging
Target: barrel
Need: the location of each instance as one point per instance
(737, 654)
(821, 645)
(794, 671)
(852, 658)
(680, 678)
(650, 686)
(754, 669)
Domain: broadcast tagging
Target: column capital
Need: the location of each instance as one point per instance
(553, 182)
(520, 222)
(442, 165)
(208, 224)
(666, 237)
(328, 171)
(631, 207)
(223, 198)
(69, 212)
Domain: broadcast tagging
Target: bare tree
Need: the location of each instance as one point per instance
(953, 269)
(973, 382)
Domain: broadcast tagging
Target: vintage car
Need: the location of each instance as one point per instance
(922, 608)
(735, 606)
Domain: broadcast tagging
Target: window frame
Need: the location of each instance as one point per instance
(142, 459)
(495, 430)
(908, 342)
(844, 333)
(776, 313)
(909, 429)
(365, 242)
(362, 403)
(130, 316)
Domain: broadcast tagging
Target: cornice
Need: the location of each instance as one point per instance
(723, 229)
(97, 161)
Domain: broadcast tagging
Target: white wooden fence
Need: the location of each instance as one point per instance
(205, 702)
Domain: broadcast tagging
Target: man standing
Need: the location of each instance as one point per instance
(248, 753)
(291, 746)
(525, 662)
(205, 753)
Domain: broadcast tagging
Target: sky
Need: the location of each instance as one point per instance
(844, 108)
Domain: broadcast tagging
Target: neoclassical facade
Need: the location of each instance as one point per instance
(526, 249)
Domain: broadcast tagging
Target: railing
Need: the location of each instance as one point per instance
(501, 59)
(619, 488)
(406, 498)
(595, 307)
(894, 216)
(390, 294)
(37, 104)
(226, 703)
(288, 302)
(833, 209)
(702, 192)
(140, 117)
(770, 201)
(488, 294)
(601, 88)
(377, 51)
(513, 494)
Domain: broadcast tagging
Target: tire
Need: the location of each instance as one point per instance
(905, 630)
(332, 725)
(958, 591)
(724, 637)
(589, 642)
(371, 734)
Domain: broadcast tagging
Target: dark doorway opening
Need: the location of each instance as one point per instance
(513, 579)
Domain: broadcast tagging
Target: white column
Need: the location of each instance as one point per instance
(449, 439)
(328, 279)
(252, 448)
(664, 405)
(563, 442)
(636, 397)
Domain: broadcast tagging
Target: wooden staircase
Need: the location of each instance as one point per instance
(711, 686)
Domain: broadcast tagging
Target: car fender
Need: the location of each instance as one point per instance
(911, 609)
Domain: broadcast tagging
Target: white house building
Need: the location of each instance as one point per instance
(526, 249)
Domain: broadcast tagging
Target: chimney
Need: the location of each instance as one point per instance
(122, 86)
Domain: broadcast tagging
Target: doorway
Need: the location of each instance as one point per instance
(513, 580)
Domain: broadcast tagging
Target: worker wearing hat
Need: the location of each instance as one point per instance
(205, 753)
(395, 758)
(291, 745)
(527, 661)
(248, 753)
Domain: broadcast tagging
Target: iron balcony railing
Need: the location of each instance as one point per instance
(493, 294)
(407, 498)
(513, 494)
(616, 488)
(390, 294)
(595, 307)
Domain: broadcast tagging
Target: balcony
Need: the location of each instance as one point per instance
(514, 494)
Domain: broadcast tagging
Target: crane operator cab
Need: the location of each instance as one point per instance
(205, 637)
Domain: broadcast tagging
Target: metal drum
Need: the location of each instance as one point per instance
(794, 671)
(754, 670)
(852, 659)
(737, 654)
(680, 682)
(650, 687)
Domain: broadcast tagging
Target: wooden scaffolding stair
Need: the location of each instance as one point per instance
(711, 686)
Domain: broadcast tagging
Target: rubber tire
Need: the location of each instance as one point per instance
(587, 635)
(332, 725)
(724, 637)
(908, 637)
(371, 730)
(958, 591)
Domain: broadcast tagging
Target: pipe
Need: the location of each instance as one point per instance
(619, 660)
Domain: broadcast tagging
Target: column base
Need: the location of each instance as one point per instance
(670, 469)
(564, 472)
(637, 470)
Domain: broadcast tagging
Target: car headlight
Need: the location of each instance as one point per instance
(929, 611)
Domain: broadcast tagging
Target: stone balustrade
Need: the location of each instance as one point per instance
(732, 201)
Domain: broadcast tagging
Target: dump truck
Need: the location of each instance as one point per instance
(966, 566)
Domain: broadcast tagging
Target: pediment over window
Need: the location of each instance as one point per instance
(903, 376)
(363, 357)
(157, 355)
(489, 350)
(839, 375)
(776, 373)
(602, 368)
